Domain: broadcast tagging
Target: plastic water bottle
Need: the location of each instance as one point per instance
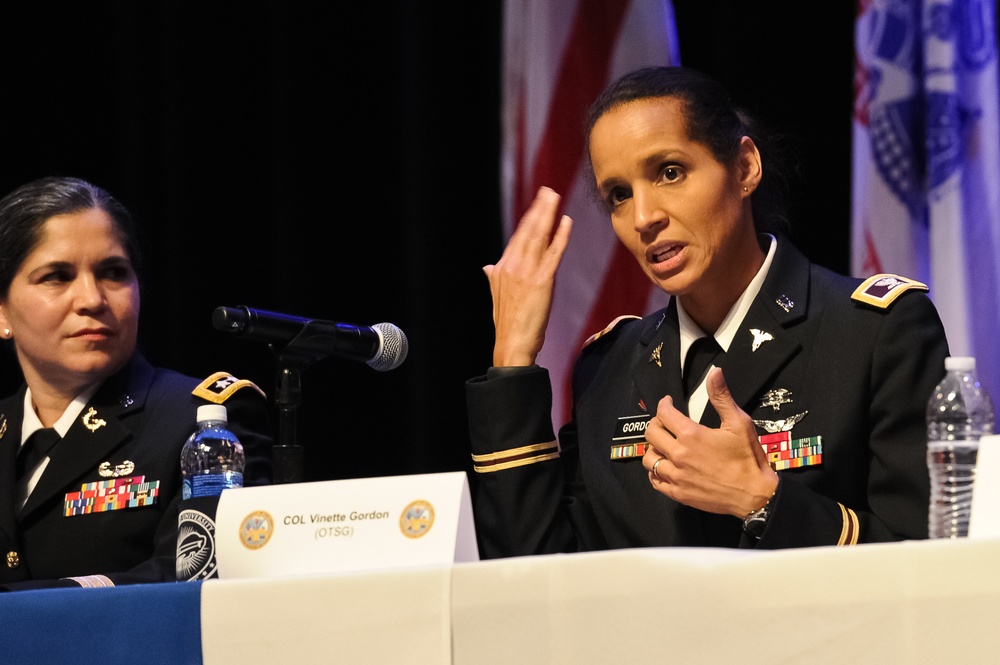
(212, 459)
(958, 413)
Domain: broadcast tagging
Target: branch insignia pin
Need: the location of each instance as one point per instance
(91, 421)
(654, 357)
(785, 303)
(759, 337)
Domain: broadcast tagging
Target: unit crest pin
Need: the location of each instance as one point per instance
(785, 303)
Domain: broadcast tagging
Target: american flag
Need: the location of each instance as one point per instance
(926, 171)
(558, 56)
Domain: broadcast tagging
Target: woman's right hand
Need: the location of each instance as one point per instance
(522, 281)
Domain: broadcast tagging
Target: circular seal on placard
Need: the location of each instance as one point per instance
(195, 546)
(417, 519)
(256, 529)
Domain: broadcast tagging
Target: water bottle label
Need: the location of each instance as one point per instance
(211, 484)
(196, 558)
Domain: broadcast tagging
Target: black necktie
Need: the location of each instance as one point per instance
(699, 357)
(34, 450)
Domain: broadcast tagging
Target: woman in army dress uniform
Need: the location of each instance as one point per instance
(803, 427)
(96, 503)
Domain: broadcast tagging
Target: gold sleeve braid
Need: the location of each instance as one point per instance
(514, 457)
(849, 532)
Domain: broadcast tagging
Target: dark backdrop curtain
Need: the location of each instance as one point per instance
(340, 161)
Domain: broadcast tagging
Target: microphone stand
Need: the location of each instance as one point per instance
(287, 456)
(310, 345)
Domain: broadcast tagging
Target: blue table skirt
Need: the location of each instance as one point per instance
(148, 624)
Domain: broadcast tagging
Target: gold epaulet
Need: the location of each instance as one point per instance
(608, 328)
(221, 386)
(881, 290)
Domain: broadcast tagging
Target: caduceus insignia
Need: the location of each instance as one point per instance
(759, 337)
(91, 421)
(783, 425)
(654, 357)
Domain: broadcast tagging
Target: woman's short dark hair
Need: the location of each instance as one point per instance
(24, 211)
(713, 120)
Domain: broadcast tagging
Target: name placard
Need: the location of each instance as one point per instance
(345, 525)
(984, 522)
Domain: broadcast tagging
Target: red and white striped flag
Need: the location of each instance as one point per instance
(558, 56)
(926, 172)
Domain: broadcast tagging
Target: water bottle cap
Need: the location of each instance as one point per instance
(212, 412)
(961, 363)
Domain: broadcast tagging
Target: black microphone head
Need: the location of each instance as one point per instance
(392, 348)
(229, 319)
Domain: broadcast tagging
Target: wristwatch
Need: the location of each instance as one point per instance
(756, 521)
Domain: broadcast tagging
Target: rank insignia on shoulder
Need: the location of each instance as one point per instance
(608, 328)
(883, 289)
(221, 386)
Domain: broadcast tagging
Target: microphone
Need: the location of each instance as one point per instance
(382, 346)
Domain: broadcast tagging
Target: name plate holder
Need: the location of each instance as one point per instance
(337, 526)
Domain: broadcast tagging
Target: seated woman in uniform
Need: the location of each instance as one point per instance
(804, 425)
(69, 307)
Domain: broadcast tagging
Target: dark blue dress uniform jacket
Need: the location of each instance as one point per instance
(860, 373)
(148, 413)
